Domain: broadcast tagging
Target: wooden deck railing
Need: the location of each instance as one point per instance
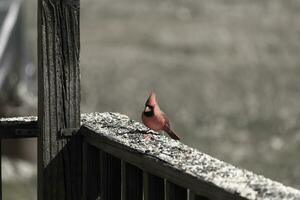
(136, 163)
(108, 156)
(123, 160)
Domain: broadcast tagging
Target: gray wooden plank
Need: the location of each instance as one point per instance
(59, 159)
(175, 192)
(153, 187)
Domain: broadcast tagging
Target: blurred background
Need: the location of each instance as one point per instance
(226, 72)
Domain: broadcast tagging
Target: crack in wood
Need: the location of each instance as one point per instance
(59, 100)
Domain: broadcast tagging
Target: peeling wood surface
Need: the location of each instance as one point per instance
(183, 165)
(59, 159)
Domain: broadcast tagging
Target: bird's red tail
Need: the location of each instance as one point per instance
(171, 133)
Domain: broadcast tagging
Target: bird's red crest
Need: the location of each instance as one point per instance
(151, 100)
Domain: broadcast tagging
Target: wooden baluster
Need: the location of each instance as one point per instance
(110, 177)
(132, 182)
(153, 187)
(175, 192)
(91, 172)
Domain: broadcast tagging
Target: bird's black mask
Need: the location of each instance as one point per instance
(149, 113)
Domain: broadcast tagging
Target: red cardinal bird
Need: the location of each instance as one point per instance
(155, 119)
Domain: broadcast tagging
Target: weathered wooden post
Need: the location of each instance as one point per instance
(59, 159)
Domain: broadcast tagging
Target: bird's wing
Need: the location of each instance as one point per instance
(167, 122)
(168, 129)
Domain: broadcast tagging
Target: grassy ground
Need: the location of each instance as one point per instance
(226, 73)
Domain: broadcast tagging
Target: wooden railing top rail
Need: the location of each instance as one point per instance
(18, 127)
(134, 143)
(183, 165)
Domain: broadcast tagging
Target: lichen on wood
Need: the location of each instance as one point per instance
(16, 120)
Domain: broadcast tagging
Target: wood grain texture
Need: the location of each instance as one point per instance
(175, 192)
(59, 159)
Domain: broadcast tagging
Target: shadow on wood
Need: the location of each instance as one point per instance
(62, 176)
